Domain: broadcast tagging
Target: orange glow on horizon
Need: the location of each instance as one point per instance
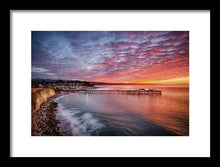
(169, 72)
(184, 80)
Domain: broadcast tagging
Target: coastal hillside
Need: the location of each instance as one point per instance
(43, 107)
(43, 120)
(40, 95)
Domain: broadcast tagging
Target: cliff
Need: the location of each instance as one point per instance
(40, 95)
(43, 122)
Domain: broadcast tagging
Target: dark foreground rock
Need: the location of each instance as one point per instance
(44, 121)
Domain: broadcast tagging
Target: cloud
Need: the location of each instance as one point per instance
(106, 55)
(39, 70)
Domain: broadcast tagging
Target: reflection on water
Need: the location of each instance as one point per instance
(87, 95)
(121, 114)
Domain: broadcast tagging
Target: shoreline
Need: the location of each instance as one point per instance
(44, 122)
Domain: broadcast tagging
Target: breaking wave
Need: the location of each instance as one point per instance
(74, 122)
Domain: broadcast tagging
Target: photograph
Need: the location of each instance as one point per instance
(109, 83)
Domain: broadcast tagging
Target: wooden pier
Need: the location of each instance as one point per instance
(138, 91)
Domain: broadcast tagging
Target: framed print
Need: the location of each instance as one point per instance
(110, 83)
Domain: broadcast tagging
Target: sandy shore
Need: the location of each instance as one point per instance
(44, 121)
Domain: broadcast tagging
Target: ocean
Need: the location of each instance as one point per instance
(125, 114)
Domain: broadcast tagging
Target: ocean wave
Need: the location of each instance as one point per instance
(77, 123)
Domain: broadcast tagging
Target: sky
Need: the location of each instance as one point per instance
(111, 56)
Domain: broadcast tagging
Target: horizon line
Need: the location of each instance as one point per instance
(125, 83)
